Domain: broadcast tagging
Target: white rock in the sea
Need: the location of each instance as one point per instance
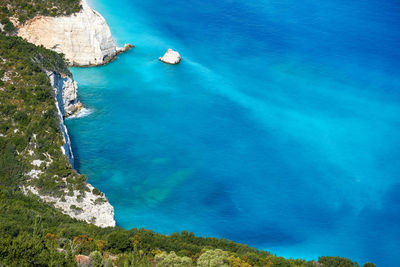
(171, 57)
(84, 37)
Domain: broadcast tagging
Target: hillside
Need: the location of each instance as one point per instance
(14, 12)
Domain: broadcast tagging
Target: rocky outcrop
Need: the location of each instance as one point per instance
(66, 92)
(84, 38)
(171, 57)
(66, 148)
(125, 48)
(89, 207)
(67, 103)
(83, 260)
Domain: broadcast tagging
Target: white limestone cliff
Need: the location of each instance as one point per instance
(86, 208)
(171, 57)
(84, 37)
(90, 207)
(62, 104)
(66, 92)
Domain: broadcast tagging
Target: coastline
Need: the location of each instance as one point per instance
(85, 39)
(237, 118)
(91, 205)
(67, 148)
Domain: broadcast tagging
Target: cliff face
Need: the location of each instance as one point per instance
(88, 206)
(84, 38)
(66, 91)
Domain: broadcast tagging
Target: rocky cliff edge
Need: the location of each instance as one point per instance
(84, 37)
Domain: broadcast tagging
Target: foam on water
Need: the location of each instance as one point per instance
(81, 113)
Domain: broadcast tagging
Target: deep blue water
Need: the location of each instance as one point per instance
(279, 129)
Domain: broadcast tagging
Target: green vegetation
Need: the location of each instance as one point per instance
(33, 233)
(23, 10)
(29, 126)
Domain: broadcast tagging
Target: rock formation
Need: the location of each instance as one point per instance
(66, 91)
(125, 48)
(171, 57)
(84, 38)
(90, 207)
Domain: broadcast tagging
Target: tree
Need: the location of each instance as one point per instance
(96, 258)
(171, 259)
(215, 257)
(9, 27)
(118, 240)
(237, 262)
(337, 261)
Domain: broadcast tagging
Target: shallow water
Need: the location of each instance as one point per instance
(279, 129)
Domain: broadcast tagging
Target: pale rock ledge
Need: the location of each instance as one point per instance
(84, 37)
(87, 208)
(171, 57)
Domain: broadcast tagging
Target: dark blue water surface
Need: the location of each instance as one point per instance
(279, 129)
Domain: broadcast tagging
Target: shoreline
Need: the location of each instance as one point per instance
(84, 37)
(89, 43)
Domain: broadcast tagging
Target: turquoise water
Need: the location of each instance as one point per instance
(279, 129)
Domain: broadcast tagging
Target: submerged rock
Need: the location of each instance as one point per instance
(171, 57)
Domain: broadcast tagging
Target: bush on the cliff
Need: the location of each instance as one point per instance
(8, 26)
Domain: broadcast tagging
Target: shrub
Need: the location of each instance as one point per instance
(96, 258)
(215, 257)
(96, 191)
(171, 259)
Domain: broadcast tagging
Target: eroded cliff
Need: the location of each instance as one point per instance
(84, 37)
(89, 205)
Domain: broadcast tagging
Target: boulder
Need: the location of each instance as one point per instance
(171, 57)
(83, 261)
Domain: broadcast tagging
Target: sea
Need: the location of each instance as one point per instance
(280, 128)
